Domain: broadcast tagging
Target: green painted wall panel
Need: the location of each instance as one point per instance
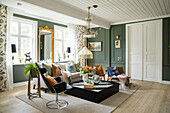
(166, 51)
(101, 57)
(18, 73)
(118, 54)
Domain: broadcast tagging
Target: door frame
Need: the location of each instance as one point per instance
(159, 56)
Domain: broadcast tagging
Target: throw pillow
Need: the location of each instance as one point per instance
(100, 70)
(71, 68)
(48, 67)
(56, 70)
(113, 71)
(62, 66)
(116, 70)
(77, 66)
(51, 80)
(66, 78)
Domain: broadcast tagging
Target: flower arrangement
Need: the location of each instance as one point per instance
(86, 69)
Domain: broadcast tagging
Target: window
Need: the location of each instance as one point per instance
(60, 39)
(23, 33)
(63, 38)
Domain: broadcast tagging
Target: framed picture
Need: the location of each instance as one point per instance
(95, 46)
(117, 43)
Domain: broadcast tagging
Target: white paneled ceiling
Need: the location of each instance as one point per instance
(125, 10)
(108, 11)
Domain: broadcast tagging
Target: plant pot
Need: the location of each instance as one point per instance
(20, 61)
(33, 73)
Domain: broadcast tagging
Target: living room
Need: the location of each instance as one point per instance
(118, 50)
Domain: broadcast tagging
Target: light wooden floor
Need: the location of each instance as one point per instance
(149, 98)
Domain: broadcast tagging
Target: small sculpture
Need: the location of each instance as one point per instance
(27, 57)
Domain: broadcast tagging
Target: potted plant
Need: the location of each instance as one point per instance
(32, 69)
(20, 59)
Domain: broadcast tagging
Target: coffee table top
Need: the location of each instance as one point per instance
(97, 88)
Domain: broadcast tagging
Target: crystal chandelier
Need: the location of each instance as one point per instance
(88, 33)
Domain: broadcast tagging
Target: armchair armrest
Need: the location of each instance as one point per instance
(61, 86)
(58, 79)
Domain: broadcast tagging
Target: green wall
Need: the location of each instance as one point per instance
(166, 50)
(109, 54)
(118, 54)
(101, 57)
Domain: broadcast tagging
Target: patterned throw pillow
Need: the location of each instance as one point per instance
(71, 68)
(56, 70)
(113, 72)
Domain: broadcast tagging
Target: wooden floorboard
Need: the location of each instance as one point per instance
(151, 97)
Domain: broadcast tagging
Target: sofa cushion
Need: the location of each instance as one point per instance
(71, 68)
(48, 67)
(56, 70)
(113, 71)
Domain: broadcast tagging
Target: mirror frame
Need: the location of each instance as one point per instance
(39, 36)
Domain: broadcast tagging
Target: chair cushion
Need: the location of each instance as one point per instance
(48, 67)
(56, 70)
(51, 80)
(100, 70)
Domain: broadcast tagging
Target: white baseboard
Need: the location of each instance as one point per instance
(165, 82)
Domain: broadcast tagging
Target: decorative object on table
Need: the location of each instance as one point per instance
(68, 51)
(89, 85)
(117, 43)
(28, 57)
(95, 46)
(96, 79)
(13, 47)
(89, 33)
(20, 59)
(84, 71)
(33, 72)
(85, 54)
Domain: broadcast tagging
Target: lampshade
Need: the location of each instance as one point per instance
(85, 52)
(13, 47)
(68, 50)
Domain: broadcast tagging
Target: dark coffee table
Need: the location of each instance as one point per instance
(97, 94)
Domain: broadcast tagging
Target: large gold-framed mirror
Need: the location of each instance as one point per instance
(45, 44)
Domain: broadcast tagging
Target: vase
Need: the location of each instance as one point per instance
(85, 77)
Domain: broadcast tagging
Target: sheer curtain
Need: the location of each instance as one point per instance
(9, 66)
(72, 36)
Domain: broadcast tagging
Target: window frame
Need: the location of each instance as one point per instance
(33, 37)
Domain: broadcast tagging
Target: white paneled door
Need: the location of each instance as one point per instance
(144, 50)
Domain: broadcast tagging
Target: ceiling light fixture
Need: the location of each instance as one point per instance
(88, 33)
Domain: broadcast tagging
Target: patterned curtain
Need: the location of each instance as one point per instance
(3, 25)
(81, 42)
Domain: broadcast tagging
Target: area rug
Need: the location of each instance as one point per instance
(77, 105)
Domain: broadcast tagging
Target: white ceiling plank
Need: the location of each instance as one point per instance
(157, 6)
(167, 5)
(161, 2)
